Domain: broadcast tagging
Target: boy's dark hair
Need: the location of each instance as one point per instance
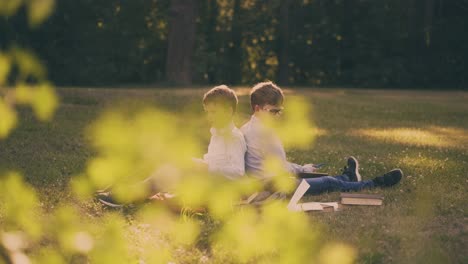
(221, 95)
(266, 93)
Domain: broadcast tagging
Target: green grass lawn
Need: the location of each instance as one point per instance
(425, 133)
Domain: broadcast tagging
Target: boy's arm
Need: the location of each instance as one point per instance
(294, 168)
(275, 148)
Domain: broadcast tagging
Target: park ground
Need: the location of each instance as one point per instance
(425, 133)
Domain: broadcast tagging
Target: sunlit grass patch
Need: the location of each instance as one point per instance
(427, 162)
(430, 136)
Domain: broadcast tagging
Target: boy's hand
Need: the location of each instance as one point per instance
(308, 168)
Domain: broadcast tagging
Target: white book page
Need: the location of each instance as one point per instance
(312, 206)
(295, 206)
(317, 206)
(300, 191)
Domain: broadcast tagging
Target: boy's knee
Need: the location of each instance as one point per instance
(328, 178)
(330, 181)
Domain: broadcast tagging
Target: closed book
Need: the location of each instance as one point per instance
(361, 199)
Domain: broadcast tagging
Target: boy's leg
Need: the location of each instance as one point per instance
(342, 177)
(328, 183)
(350, 172)
(337, 183)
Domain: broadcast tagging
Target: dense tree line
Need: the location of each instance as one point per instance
(387, 43)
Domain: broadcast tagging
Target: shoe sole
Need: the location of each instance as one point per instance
(356, 171)
(400, 172)
(390, 177)
(110, 204)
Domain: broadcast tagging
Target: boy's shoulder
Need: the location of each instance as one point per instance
(245, 127)
(237, 133)
(231, 132)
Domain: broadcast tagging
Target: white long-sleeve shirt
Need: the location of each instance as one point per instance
(226, 152)
(262, 143)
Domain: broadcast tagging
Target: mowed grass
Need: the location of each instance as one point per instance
(425, 133)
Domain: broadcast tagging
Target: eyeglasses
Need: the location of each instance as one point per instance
(275, 111)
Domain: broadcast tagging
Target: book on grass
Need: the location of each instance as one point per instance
(295, 206)
(304, 175)
(361, 199)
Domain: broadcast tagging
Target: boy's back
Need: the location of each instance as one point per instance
(263, 143)
(226, 152)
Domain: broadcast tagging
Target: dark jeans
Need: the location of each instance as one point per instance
(335, 183)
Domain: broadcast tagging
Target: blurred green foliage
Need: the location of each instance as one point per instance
(23, 79)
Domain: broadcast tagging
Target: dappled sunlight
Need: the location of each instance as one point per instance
(319, 132)
(242, 91)
(337, 253)
(421, 161)
(433, 136)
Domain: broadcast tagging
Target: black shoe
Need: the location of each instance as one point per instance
(108, 200)
(352, 170)
(388, 179)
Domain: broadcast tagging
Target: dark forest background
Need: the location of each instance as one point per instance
(349, 43)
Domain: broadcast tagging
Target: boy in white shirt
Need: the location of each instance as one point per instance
(226, 151)
(267, 99)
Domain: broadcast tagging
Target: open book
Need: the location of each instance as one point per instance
(294, 204)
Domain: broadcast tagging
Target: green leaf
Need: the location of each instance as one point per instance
(9, 7)
(8, 119)
(45, 102)
(5, 65)
(28, 63)
(39, 10)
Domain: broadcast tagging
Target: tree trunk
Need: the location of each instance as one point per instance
(347, 49)
(428, 17)
(234, 73)
(283, 43)
(211, 12)
(181, 41)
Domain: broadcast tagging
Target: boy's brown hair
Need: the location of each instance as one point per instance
(266, 93)
(221, 95)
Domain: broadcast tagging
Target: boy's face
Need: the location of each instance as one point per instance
(218, 115)
(269, 111)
